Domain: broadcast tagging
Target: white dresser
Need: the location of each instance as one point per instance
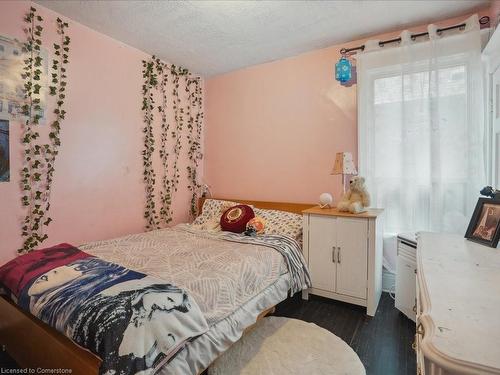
(458, 306)
(344, 254)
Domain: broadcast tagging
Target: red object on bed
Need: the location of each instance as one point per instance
(235, 219)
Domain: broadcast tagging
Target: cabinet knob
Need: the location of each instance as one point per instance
(333, 254)
(338, 255)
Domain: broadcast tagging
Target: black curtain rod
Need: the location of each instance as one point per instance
(483, 21)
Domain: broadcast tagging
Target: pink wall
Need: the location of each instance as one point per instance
(272, 133)
(98, 191)
(495, 11)
(272, 130)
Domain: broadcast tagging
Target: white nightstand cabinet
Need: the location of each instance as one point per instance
(344, 254)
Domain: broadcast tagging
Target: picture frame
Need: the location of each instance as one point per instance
(4, 151)
(484, 226)
(12, 92)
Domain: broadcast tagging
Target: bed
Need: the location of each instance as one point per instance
(235, 284)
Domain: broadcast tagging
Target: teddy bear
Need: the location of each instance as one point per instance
(356, 199)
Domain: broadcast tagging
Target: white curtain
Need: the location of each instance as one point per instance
(421, 131)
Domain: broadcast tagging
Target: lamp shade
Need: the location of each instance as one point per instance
(344, 164)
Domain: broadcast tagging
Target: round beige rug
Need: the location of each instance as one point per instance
(277, 346)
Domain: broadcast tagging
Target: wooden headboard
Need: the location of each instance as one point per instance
(296, 208)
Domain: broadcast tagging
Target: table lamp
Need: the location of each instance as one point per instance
(344, 165)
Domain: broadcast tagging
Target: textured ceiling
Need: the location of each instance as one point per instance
(214, 37)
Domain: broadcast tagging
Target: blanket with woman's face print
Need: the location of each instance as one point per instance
(135, 323)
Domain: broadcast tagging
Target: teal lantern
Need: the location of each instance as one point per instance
(343, 70)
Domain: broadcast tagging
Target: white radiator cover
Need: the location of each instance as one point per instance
(406, 295)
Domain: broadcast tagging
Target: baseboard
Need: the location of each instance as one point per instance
(388, 281)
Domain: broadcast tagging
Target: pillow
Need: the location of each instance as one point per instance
(211, 213)
(256, 226)
(282, 222)
(235, 219)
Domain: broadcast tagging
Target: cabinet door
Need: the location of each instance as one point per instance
(321, 246)
(352, 258)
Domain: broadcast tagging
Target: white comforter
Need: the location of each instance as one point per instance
(220, 275)
(232, 282)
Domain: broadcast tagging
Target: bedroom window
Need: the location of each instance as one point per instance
(419, 156)
(421, 134)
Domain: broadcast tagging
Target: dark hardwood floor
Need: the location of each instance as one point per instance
(6, 362)
(383, 343)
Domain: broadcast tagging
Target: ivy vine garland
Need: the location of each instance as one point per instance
(158, 77)
(166, 193)
(150, 82)
(39, 158)
(30, 174)
(195, 100)
(179, 122)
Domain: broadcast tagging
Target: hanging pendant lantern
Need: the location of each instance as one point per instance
(343, 70)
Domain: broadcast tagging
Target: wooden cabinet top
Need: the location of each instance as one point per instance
(317, 210)
(459, 284)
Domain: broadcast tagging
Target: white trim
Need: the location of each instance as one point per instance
(337, 296)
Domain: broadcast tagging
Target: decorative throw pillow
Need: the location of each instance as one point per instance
(209, 219)
(236, 218)
(258, 224)
(282, 222)
(255, 226)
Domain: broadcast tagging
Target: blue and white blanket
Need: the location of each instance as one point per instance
(135, 323)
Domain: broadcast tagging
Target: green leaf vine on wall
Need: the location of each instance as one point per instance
(177, 72)
(166, 193)
(149, 176)
(30, 175)
(37, 173)
(195, 121)
(158, 78)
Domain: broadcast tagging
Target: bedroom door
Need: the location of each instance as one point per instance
(352, 260)
(322, 240)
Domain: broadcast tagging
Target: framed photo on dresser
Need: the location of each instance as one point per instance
(484, 226)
